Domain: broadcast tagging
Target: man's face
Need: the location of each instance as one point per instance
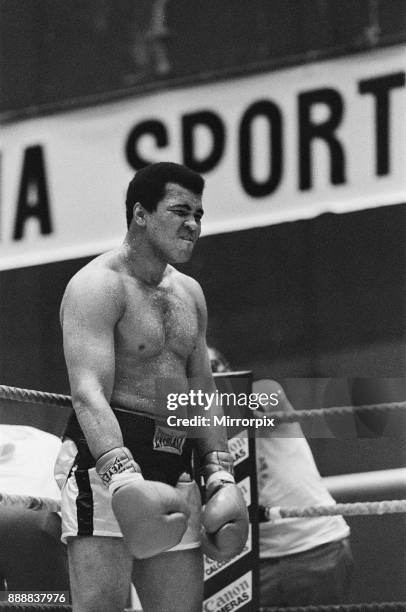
(174, 227)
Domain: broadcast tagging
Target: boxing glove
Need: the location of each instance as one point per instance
(152, 515)
(225, 515)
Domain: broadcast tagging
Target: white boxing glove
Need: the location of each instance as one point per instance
(152, 515)
(225, 516)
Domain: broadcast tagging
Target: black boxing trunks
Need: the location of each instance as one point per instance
(164, 454)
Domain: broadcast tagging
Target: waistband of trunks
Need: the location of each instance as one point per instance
(163, 453)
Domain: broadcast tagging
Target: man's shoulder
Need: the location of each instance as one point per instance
(101, 271)
(96, 281)
(92, 282)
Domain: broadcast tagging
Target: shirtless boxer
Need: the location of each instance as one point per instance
(134, 329)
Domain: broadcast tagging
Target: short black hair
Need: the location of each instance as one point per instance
(148, 185)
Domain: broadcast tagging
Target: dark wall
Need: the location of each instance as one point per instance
(324, 297)
(55, 53)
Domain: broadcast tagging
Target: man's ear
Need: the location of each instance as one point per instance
(139, 214)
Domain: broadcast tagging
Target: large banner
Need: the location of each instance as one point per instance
(274, 147)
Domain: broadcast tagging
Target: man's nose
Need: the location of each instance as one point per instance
(191, 223)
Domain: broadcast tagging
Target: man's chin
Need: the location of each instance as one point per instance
(182, 257)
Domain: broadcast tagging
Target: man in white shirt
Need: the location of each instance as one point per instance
(302, 561)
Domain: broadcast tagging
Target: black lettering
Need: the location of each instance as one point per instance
(308, 131)
(216, 127)
(33, 180)
(380, 88)
(271, 112)
(154, 128)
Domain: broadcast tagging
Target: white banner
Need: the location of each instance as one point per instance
(273, 147)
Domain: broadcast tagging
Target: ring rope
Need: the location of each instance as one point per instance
(269, 513)
(390, 606)
(29, 502)
(387, 606)
(56, 399)
(31, 396)
(334, 411)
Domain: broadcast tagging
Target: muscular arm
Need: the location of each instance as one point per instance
(201, 378)
(89, 313)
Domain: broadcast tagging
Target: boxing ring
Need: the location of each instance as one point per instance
(382, 481)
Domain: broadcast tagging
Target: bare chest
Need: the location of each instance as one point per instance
(157, 321)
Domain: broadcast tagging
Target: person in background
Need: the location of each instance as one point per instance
(32, 557)
(302, 561)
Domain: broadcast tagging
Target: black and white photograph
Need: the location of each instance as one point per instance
(203, 305)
